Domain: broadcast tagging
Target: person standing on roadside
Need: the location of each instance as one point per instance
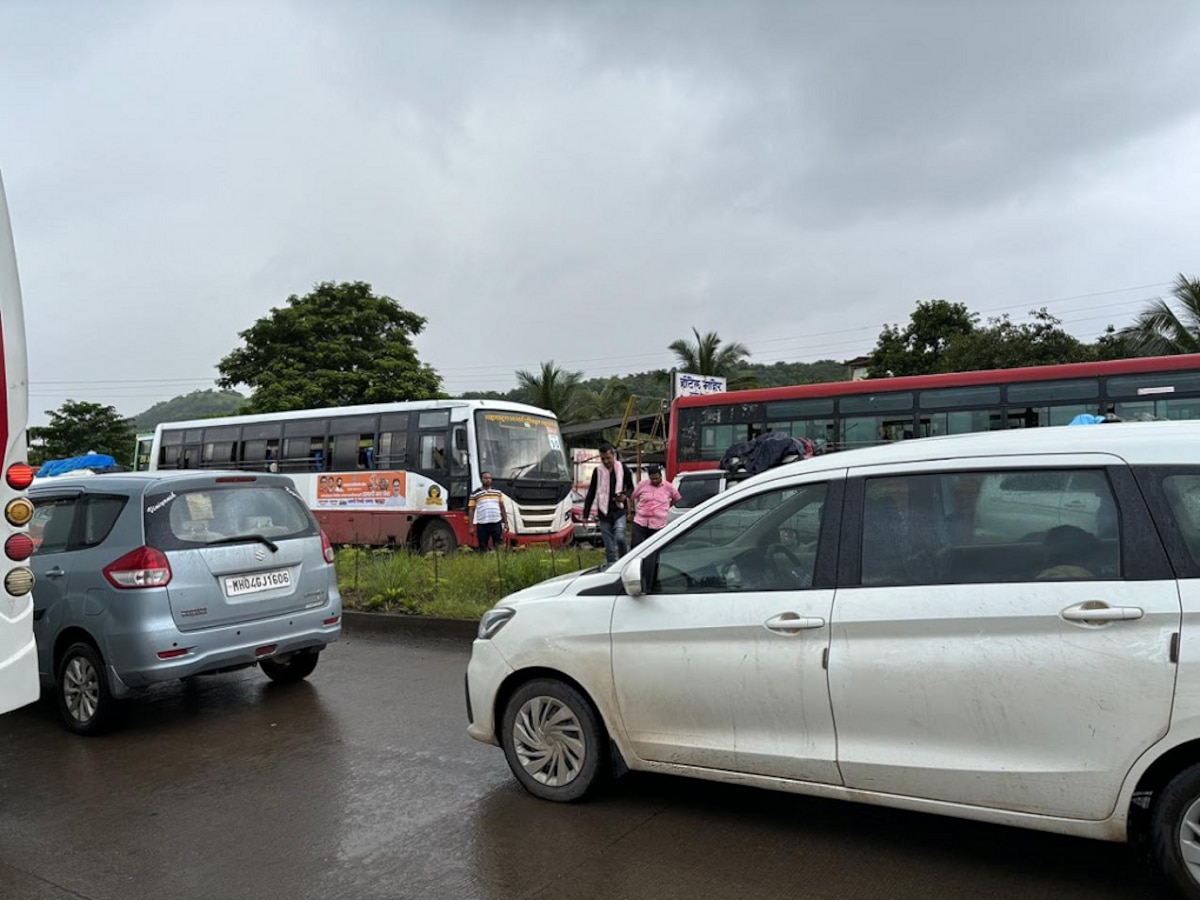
(487, 517)
(651, 500)
(609, 490)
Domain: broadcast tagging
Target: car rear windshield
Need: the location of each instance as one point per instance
(177, 520)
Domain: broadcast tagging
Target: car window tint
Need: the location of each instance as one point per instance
(181, 519)
(52, 523)
(1183, 495)
(99, 516)
(766, 542)
(694, 491)
(987, 527)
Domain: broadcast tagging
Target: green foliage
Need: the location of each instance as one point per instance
(462, 585)
(709, 355)
(196, 405)
(337, 346)
(1163, 328)
(552, 388)
(77, 427)
(920, 347)
(1004, 345)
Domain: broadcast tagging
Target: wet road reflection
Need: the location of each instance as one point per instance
(362, 783)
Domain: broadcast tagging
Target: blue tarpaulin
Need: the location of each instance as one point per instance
(1087, 419)
(99, 461)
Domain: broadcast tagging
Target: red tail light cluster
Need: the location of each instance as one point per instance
(326, 547)
(19, 476)
(144, 567)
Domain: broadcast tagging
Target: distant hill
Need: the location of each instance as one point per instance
(196, 405)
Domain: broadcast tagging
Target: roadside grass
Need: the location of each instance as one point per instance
(462, 585)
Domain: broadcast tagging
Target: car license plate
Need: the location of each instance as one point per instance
(237, 585)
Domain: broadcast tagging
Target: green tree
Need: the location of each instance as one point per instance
(1161, 329)
(920, 347)
(336, 346)
(607, 401)
(552, 388)
(709, 355)
(1002, 344)
(77, 427)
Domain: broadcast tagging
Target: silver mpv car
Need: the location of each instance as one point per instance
(154, 576)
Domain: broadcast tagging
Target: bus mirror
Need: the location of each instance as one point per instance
(631, 578)
(460, 439)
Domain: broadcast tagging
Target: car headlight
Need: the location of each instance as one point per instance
(493, 620)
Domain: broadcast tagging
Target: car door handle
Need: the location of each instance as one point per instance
(56, 572)
(1101, 612)
(790, 623)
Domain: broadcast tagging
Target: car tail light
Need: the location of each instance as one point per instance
(141, 568)
(326, 547)
(19, 476)
(18, 547)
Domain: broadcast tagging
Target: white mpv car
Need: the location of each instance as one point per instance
(989, 626)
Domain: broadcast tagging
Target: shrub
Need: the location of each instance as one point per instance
(461, 585)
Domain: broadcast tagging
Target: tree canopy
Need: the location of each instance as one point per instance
(338, 345)
(77, 427)
(709, 355)
(1161, 329)
(945, 337)
(920, 347)
(551, 388)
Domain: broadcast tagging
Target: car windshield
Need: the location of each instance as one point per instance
(519, 445)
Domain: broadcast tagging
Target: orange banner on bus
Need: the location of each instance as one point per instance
(362, 489)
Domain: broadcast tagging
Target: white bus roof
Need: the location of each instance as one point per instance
(361, 410)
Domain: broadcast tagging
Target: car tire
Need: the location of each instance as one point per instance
(85, 703)
(438, 537)
(296, 667)
(1175, 832)
(554, 741)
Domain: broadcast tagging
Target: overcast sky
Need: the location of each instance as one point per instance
(584, 182)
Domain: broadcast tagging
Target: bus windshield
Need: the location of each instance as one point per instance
(518, 445)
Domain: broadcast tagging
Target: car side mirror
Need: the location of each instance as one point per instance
(631, 578)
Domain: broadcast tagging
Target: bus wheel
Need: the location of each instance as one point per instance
(438, 537)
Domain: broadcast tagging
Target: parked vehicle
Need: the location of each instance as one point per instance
(696, 487)
(586, 531)
(999, 626)
(153, 576)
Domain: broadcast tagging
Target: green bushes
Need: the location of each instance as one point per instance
(462, 585)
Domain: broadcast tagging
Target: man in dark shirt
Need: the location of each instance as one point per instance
(609, 490)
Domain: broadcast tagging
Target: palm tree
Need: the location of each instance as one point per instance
(552, 388)
(1160, 330)
(608, 402)
(710, 356)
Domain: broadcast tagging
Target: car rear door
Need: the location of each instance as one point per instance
(240, 549)
(1024, 673)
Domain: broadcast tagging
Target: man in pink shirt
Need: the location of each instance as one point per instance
(651, 500)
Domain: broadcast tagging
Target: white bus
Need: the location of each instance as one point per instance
(395, 474)
(18, 652)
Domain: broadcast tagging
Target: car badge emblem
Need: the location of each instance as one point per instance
(260, 555)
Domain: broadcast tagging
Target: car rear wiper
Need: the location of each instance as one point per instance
(243, 538)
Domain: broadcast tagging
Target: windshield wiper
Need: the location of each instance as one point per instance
(517, 470)
(243, 538)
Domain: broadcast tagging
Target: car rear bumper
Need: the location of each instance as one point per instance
(133, 659)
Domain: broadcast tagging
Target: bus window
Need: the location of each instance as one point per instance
(433, 451)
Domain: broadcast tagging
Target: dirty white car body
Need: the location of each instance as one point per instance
(983, 677)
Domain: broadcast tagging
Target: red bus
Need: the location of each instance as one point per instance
(18, 652)
(847, 414)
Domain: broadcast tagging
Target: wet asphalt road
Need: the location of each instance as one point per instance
(362, 783)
